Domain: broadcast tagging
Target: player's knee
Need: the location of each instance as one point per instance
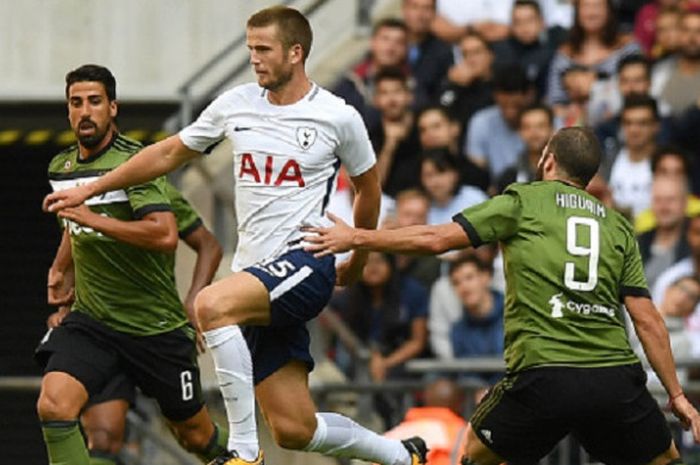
(290, 434)
(105, 440)
(51, 407)
(475, 453)
(208, 308)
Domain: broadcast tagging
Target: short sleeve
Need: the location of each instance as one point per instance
(496, 219)
(633, 283)
(148, 198)
(208, 130)
(355, 149)
(186, 216)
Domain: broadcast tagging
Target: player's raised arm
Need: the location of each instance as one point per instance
(365, 214)
(419, 240)
(151, 162)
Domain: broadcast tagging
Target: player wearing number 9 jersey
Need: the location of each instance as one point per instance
(569, 262)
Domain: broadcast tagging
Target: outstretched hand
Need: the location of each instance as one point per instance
(59, 200)
(687, 414)
(325, 241)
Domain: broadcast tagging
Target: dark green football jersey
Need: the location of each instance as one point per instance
(129, 288)
(187, 218)
(568, 262)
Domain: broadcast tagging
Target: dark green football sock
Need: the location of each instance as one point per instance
(217, 444)
(102, 458)
(64, 443)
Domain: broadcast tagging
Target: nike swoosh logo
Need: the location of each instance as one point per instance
(241, 128)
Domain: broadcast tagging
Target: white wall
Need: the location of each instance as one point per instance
(151, 46)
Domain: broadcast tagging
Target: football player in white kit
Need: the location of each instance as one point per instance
(289, 137)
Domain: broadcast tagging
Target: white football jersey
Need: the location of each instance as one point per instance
(286, 161)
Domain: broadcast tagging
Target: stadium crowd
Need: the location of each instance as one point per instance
(460, 102)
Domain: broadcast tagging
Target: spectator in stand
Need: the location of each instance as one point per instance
(535, 128)
(388, 47)
(667, 38)
(479, 333)
(439, 422)
(446, 308)
(668, 162)
(631, 176)
(428, 56)
(677, 307)
(530, 44)
(440, 178)
(395, 138)
(492, 137)
(436, 130)
(594, 42)
(666, 244)
(468, 86)
(578, 82)
(633, 78)
(679, 303)
(646, 25)
(688, 267)
(455, 18)
(412, 209)
(676, 80)
(388, 312)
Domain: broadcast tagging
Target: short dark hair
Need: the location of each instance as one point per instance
(292, 26)
(473, 33)
(391, 73)
(577, 152)
(635, 59)
(93, 73)
(670, 151)
(441, 158)
(538, 107)
(528, 3)
(437, 108)
(469, 259)
(391, 23)
(642, 101)
(510, 79)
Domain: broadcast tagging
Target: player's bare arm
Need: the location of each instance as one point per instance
(61, 278)
(151, 162)
(417, 240)
(653, 335)
(155, 231)
(365, 213)
(209, 255)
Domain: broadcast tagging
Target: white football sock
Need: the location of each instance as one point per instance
(234, 371)
(339, 436)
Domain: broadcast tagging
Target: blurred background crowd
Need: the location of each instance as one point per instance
(460, 102)
(460, 98)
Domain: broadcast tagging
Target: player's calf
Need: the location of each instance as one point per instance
(290, 433)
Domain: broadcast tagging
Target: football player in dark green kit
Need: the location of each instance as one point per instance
(569, 262)
(127, 317)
